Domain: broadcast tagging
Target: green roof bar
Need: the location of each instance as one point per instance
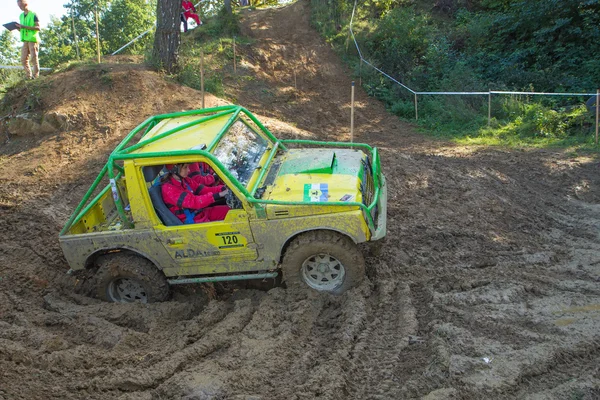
(194, 112)
(334, 144)
(118, 200)
(224, 130)
(151, 125)
(158, 118)
(185, 153)
(132, 134)
(85, 199)
(174, 130)
(265, 168)
(261, 126)
(91, 203)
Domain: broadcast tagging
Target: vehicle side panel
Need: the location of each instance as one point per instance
(273, 234)
(79, 248)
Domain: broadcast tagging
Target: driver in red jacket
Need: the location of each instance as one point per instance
(189, 200)
(202, 173)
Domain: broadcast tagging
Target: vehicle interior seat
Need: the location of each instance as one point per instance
(163, 212)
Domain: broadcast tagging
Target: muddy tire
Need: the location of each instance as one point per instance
(128, 278)
(324, 261)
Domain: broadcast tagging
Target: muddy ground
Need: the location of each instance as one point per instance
(488, 286)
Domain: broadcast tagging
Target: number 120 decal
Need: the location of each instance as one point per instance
(229, 240)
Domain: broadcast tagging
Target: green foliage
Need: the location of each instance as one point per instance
(119, 22)
(9, 55)
(551, 45)
(58, 45)
(475, 45)
(215, 40)
(124, 21)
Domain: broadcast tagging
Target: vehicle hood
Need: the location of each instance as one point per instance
(318, 175)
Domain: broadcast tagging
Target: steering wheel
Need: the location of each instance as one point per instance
(232, 201)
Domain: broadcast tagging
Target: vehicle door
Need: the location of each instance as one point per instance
(212, 247)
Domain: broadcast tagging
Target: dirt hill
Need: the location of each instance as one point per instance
(488, 285)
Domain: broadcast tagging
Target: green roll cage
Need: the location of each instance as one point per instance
(121, 152)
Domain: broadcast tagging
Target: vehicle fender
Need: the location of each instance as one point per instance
(91, 260)
(289, 239)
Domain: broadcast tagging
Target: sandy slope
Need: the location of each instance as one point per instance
(491, 254)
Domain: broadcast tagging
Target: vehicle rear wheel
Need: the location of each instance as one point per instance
(324, 261)
(128, 278)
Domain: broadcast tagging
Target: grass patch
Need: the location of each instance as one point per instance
(213, 40)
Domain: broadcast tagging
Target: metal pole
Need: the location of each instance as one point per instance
(489, 108)
(202, 75)
(134, 40)
(416, 109)
(97, 35)
(75, 35)
(352, 115)
(234, 63)
(597, 112)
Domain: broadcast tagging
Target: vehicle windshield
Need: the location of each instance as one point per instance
(240, 151)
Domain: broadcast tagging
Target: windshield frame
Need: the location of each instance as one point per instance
(242, 162)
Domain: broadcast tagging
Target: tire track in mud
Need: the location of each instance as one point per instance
(572, 373)
(150, 375)
(377, 354)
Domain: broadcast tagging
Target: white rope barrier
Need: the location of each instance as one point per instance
(455, 93)
(383, 73)
(415, 93)
(18, 67)
(544, 94)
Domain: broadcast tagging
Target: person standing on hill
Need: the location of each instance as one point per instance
(189, 11)
(29, 25)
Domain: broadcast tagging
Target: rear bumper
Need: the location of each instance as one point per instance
(381, 229)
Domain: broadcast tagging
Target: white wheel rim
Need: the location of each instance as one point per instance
(323, 272)
(124, 290)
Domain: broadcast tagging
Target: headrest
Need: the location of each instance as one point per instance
(151, 172)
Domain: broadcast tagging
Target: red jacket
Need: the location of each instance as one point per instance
(202, 173)
(188, 6)
(189, 195)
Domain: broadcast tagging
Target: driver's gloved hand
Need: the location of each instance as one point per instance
(221, 194)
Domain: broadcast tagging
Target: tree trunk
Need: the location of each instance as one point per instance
(227, 4)
(166, 39)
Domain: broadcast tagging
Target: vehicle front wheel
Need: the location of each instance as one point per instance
(324, 261)
(128, 278)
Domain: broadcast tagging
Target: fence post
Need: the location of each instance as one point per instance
(202, 75)
(489, 107)
(352, 115)
(416, 109)
(597, 112)
(75, 35)
(234, 62)
(97, 35)
(360, 73)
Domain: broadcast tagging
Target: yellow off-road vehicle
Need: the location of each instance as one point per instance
(298, 208)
